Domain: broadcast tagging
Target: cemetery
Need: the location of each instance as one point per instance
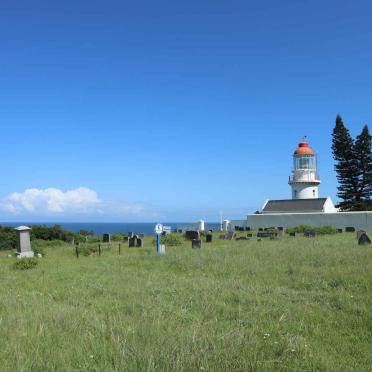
(251, 297)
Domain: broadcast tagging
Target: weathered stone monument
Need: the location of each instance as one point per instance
(106, 238)
(132, 241)
(23, 242)
(209, 238)
(139, 243)
(196, 243)
(363, 238)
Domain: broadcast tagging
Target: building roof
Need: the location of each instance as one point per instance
(294, 206)
(303, 149)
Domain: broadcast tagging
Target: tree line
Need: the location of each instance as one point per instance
(353, 167)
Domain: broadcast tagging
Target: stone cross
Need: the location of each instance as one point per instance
(23, 242)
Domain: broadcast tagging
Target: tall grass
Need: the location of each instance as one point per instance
(289, 304)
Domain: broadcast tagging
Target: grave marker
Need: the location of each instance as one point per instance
(23, 242)
(364, 239)
(196, 243)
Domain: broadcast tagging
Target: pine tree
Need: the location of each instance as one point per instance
(346, 166)
(363, 157)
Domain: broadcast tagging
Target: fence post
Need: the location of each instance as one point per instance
(99, 249)
(119, 249)
(77, 251)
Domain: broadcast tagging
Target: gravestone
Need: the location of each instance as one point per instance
(364, 239)
(241, 228)
(162, 248)
(260, 229)
(130, 234)
(139, 243)
(241, 238)
(222, 237)
(263, 235)
(349, 229)
(292, 234)
(248, 228)
(106, 238)
(192, 234)
(281, 228)
(249, 235)
(132, 242)
(339, 231)
(360, 233)
(236, 228)
(196, 243)
(209, 238)
(309, 234)
(23, 242)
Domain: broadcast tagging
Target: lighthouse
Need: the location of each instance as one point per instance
(304, 180)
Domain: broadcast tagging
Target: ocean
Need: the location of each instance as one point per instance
(100, 228)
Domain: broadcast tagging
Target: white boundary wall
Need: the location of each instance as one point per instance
(340, 220)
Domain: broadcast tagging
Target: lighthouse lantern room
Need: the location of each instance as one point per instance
(304, 180)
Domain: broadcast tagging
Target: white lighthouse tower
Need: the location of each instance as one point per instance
(304, 180)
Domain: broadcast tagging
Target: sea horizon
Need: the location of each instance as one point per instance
(100, 228)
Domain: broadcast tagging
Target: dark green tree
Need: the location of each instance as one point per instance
(346, 167)
(363, 157)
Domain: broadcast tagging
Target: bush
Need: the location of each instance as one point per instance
(25, 263)
(88, 249)
(323, 230)
(170, 240)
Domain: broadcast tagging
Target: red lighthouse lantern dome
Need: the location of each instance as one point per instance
(303, 149)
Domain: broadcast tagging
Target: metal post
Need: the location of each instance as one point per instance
(158, 243)
(99, 249)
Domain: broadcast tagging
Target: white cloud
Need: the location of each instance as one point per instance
(56, 202)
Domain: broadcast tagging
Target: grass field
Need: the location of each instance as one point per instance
(289, 304)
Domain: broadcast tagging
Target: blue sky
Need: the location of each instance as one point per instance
(172, 111)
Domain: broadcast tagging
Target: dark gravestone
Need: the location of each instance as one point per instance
(236, 228)
(292, 234)
(130, 235)
(241, 228)
(339, 231)
(222, 237)
(106, 238)
(192, 234)
(242, 238)
(309, 234)
(260, 229)
(132, 242)
(263, 235)
(281, 228)
(349, 229)
(360, 233)
(139, 243)
(364, 239)
(196, 243)
(209, 238)
(249, 235)
(248, 228)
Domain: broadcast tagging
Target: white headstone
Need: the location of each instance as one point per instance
(23, 242)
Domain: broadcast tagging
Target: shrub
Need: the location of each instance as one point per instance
(25, 263)
(170, 240)
(323, 230)
(88, 249)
